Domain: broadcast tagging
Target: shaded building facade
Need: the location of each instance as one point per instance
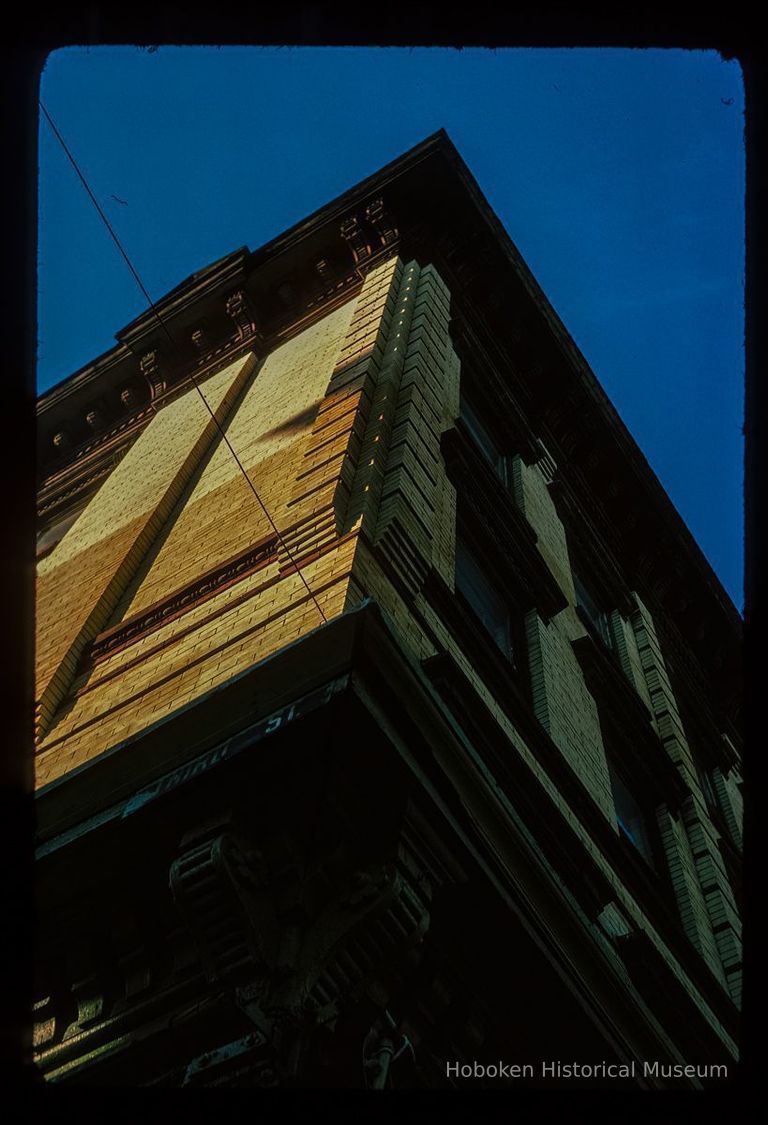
(387, 712)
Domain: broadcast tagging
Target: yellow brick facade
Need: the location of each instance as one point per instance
(178, 505)
(339, 431)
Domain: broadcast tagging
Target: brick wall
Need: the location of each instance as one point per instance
(704, 894)
(82, 579)
(294, 421)
(339, 429)
(562, 703)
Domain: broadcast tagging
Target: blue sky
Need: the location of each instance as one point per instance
(619, 174)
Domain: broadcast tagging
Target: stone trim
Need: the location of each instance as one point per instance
(208, 585)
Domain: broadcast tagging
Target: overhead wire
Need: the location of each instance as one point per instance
(174, 345)
(334, 743)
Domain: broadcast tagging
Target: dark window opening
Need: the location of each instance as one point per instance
(484, 597)
(486, 443)
(707, 790)
(631, 818)
(590, 607)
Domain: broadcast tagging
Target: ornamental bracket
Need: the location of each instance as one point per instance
(382, 222)
(240, 310)
(154, 373)
(354, 236)
(369, 233)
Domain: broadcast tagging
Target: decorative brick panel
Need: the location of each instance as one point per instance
(81, 581)
(702, 888)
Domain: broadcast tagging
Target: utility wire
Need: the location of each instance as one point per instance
(164, 327)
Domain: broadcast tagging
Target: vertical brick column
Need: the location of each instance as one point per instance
(530, 485)
(319, 503)
(625, 647)
(729, 799)
(561, 700)
(703, 891)
(444, 539)
(395, 389)
(415, 518)
(375, 420)
(564, 705)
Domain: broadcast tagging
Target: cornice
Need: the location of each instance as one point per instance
(75, 383)
(606, 416)
(233, 267)
(185, 294)
(641, 502)
(338, 209)
(208, 321)
(228, 272)
(437, 212)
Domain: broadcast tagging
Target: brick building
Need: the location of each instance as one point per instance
(405, 741)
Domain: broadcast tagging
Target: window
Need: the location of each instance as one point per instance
(485, 443)
(589, 606)
(631, 818)
(707, 790)
(484, 598)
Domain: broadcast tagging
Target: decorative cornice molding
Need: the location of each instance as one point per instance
(353, 235)
(369, 232)
(90, 463)
(382, 222)
(155, 374)
(61, 497)
(115, 440)
(434, 195)
(162, 385)
(201, 340)
(239, 310)
(202, 588)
